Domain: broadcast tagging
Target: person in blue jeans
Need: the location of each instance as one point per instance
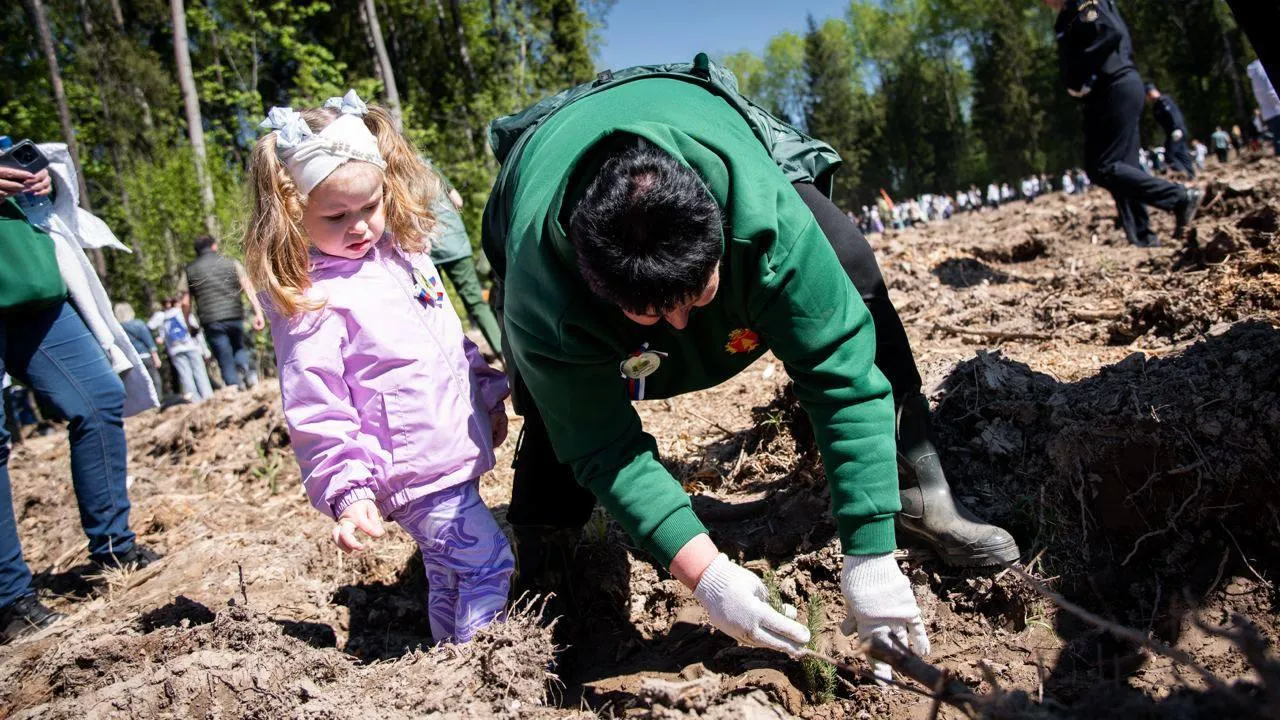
(48, 345)
(214, 282)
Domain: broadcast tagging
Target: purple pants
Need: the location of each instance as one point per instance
(467, 558)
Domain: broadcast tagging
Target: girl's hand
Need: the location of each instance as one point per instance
(498, 420)
(362, 515)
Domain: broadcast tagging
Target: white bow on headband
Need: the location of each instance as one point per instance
(349, 104)
(311, 157)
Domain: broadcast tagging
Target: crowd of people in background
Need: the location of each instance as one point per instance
(192, 367)
(1178, 155)
(885, 214)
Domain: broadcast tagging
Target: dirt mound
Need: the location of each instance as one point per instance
(1224, 273)
(240, 663)
(1143, 462)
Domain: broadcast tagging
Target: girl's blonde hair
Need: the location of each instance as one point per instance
(276, 246)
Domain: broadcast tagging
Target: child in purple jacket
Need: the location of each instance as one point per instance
(392, 411)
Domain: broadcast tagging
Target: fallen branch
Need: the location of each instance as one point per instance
(1095, 315)
(993, 334)
(1125, 633)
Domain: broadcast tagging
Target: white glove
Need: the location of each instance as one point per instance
(1176, 135)
(879, 602)
(738, 603)
(1082, 92)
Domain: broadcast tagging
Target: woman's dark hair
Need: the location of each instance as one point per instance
(648, 234)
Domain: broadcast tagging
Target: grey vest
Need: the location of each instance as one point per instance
(215, 288)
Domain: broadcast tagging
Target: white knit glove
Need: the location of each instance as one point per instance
(1176, 136)
(879, 602)
(738, 604)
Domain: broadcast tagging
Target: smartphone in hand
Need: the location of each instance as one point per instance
(24, 156)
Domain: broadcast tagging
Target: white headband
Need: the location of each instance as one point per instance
(311, 157)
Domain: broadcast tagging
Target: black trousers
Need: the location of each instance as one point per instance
(544, 491)
(1179, 158)
(1111, 145)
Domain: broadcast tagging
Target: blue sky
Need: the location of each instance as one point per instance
(643, 32)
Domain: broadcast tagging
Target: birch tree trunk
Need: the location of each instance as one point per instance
(36, 9)
(191, 101)
(464, 51)
(369, 13)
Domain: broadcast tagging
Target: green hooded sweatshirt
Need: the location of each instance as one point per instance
(781, 289)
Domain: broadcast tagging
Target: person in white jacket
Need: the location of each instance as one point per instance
(59, 336)
(1268, 101)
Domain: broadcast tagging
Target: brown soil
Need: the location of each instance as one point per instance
(1117, 409)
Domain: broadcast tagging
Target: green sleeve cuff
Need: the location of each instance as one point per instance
(875, 536)
(678, 529)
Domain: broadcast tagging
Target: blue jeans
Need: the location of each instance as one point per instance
(192, 374)
(235, 362)
(53, 352)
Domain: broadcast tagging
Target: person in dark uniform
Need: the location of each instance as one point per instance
(1170, 118)
(1098, 69)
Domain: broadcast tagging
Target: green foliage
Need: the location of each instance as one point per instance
(163, 220)
(933, 95)
(457, 65)
(917, 95)
(1006, 116)
(835, 102)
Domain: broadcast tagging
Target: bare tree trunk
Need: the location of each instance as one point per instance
(464, 52)
(117, 16)
(1229, 60)
(523, 64)
(369, 12)
(191, 101)
(362, 12)
(36, 8)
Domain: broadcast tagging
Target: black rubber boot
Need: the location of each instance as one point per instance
(25, 616)
(1186, 211)
(544, 564)
(929, 511)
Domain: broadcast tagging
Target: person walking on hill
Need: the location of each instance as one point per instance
(1268, 101)
(59, 337)
(143, 341)
(1098, 69)
(1170, 118)
(1200, 151)
(451, 252)
(215, 282)
(1221, 143)
(178, 332)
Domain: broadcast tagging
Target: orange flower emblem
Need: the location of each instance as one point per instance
(742, 340)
